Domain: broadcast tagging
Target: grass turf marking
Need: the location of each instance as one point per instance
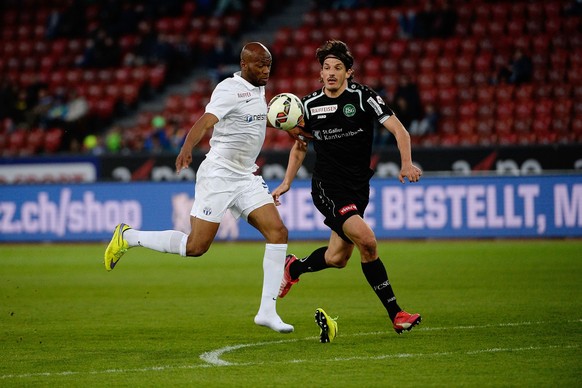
(212, 358)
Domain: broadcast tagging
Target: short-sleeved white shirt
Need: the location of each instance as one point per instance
(241, 109)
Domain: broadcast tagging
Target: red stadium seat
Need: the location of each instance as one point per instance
(524, 109)
(467, 126)
(563, 107)
(427, 64)
(524, 92)
(433, 48)
(53, 140)
(425, 80)
(504, 93)
(398, 49)
(445, 79)
(505, 110)
(467, 94)
(468, 110)
(35, 141)
(544, 107)
(486, 94)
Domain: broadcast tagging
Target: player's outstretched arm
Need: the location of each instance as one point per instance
(194, 136)
(407, 169)
(296, 157)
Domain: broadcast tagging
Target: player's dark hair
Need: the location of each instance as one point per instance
(335, 49)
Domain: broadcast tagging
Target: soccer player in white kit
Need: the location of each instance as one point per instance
(225, 180)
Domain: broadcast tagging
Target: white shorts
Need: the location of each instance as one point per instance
(218, 189)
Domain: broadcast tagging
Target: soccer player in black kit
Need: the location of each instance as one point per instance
(341, 117)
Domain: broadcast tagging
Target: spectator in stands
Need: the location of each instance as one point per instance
(8, 93)
(521, 68)
(225, 6)
(220, 59)
(445, 21)
(157, 140)
(427, 124)
(428, 22)
(38, 114)
(93, 144)
(146, 40)
(408, 91)
(32, 90)
(68, 22)
(113, 140)
(424, 22)
(56, 114)
(176, 136)
(574, 8)
(501, 75)
(20, 110)
(407, 23)
(77, 111)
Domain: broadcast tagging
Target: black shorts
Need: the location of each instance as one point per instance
(338, 203)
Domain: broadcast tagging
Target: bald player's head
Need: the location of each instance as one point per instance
(255, 63)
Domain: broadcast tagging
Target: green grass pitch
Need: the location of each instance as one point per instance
(495, 313)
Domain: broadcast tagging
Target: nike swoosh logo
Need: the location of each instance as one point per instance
(248, 100)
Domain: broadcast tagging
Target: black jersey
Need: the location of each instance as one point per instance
(343, 131)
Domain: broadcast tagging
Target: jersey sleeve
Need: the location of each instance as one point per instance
(375, 105)
(222, 101)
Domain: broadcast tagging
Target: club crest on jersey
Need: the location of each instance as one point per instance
(347, 208)
(349, 110)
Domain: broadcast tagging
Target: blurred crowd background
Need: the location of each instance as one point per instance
(107, 76)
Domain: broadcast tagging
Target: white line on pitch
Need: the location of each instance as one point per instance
(212, 358)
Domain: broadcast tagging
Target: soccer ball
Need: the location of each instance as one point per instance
(285, 111)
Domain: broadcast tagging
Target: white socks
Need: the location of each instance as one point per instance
(167, 241)
(273, 267)
(172, 241)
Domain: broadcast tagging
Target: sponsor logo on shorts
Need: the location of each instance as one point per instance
(348, 208)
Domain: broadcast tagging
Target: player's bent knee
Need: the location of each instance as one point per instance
(196, 251)
(368, 248)
(277, 235)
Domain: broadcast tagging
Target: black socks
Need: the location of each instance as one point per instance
(312, 263)
(376, 275)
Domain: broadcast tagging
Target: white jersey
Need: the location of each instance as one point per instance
(238, 136)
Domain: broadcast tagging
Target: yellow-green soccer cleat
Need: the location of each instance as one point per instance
(117, 247)
(327, 325)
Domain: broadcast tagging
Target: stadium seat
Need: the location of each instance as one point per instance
(467, 94)
(52, 140)
(35, 141)
(504, 93)
(523, 127)
(16, 141)
(524, 109)
(563, 107)
(427, 64)
(425, 80)
(468, 110)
